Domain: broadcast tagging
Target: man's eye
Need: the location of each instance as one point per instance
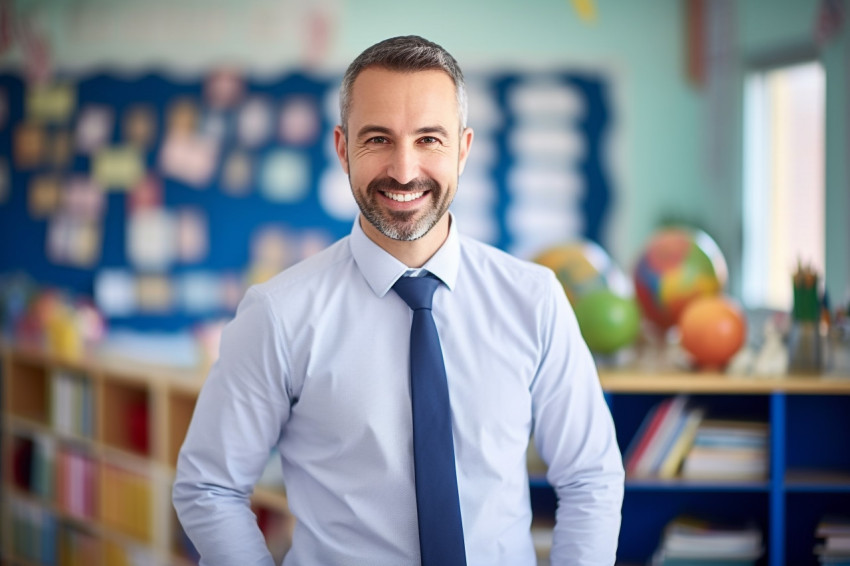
(429, 140)
(377, 140)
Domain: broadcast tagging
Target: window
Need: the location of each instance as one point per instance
(784, 187)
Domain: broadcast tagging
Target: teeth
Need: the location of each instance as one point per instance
(404, 197)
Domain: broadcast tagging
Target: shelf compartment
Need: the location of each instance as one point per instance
(181, 406)
(818, 435)
(32, 464)
(125, 407)
(646, 513)
(803, 511)
(29, 392)
(126, 502)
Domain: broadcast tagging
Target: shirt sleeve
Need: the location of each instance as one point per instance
(237, 421)
(574, 434)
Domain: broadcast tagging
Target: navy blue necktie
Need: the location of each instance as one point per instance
(437, 504)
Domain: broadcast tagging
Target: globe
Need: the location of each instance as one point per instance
(608, 321)
(712, 330)
(677, 266)
(583, 266)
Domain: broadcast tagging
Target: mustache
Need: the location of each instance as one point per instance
(389, 184)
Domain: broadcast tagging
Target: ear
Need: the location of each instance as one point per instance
(465, 145)
(341, 145)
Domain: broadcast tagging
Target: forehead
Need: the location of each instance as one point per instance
(381, 95)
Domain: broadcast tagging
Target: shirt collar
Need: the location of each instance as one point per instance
(381, 270)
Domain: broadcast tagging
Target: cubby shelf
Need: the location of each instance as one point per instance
(89, 451)
(809, 459)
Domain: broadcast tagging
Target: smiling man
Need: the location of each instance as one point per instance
(402, 422)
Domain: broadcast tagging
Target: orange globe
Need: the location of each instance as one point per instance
(713, 329)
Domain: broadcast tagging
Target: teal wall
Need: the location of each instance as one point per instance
(674, 155)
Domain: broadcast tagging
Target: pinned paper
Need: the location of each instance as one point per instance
(30, 146)
(50, 103)
(115, 292)
(154, 294)
(285, 176)
(118, 167)
(237, 174)
(83, 199)
(200, 292)
(255, 122)
(73, 241)
(224, 88)
(43, 198)
(151, 237)
(215, 125)
(299, 121)
(139, 126)
(335, 195)
(189, 158)
(270, 247)
(182, 116)
(145, 195)
(232, 291)
(192, 235)
(60, 149)
(94, 128)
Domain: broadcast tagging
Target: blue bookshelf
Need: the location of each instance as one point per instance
(809, 460)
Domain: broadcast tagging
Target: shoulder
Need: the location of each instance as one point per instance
(499, 267)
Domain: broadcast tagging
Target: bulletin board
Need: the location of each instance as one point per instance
(163, 197)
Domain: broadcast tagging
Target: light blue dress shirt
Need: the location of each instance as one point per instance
(315, 363)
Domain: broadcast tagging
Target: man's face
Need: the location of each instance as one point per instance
(404, 150)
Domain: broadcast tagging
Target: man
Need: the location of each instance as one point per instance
(317, 364)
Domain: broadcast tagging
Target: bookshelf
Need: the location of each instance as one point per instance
(89, 453)
(90, 447)
(808, 459)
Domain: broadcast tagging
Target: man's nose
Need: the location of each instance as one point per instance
(403, 165)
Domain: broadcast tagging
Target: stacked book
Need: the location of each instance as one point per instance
(664, 439)
(693, 542)
(728, 450)
(833, 547)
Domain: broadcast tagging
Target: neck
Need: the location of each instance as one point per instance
(415, 253)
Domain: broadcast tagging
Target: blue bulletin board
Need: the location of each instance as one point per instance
(162, 197)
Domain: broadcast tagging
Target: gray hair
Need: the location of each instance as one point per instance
(405, 54)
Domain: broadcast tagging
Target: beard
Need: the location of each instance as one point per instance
(403, 225)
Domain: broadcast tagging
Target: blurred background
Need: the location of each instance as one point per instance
(158, 157)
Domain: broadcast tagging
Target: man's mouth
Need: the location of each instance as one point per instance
(403, 197)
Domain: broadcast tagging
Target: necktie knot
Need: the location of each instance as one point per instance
(417, 292)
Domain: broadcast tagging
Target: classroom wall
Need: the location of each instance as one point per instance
(676, 153)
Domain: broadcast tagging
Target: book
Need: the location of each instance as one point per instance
(728, 450)
(690, 541)
(682, 444)
(640, 441)
(659, 438)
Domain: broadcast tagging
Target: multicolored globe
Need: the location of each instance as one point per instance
(677, 266)
(600, 292)
(583, 266)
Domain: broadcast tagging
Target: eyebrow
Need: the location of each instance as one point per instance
(374, 129)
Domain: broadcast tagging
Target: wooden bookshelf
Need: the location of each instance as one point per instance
(89, 455)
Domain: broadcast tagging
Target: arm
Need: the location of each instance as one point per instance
(574, 434)
(237, 420)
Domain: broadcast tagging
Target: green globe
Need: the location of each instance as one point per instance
(608, 321)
